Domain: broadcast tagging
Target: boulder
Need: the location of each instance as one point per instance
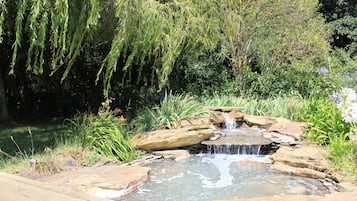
(217, 119)
(173, 138)
(236, 115)
(109, 182)
(259, 121)
(289, 128)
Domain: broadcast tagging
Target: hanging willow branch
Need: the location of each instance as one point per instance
(150, 30)
(18, 31)
(144, 31)
(3, 11)
(157, 34)
(67, 23)
(59, 28)
(37, 23)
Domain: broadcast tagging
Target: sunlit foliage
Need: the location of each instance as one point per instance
(157, 36)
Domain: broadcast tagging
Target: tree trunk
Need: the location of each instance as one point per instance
(4, 114)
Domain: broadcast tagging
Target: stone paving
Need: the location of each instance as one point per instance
(15, 188)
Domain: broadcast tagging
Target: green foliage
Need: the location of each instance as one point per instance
(203, 76)
(147, 40)
(325, 120)
(105, 134)
(347, 27)
(169, 113)
(294, 33)
(222, 100)
(343, 154)
(342, 17)
(347, 68)
(13, 166)
(284, 80)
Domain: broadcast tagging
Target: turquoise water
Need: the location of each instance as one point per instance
(220, 176)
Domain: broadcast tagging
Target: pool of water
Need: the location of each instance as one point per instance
(211, 177)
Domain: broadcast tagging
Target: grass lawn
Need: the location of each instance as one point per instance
(31, 140)
(31, 137)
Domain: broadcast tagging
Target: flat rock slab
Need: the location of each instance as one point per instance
(303, 157)
(172, 138)
(260, 121)
(16, 188)
(289, 128)
(106, 181)
(306, 161)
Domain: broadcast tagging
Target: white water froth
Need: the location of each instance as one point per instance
(167, 179)
(223, 162)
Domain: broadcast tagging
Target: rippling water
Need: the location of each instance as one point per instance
(210, 177)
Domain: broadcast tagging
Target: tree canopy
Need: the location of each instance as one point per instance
(145, 42)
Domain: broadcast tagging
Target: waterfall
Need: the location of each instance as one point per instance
(253, 149)
(236, 141)
(229, 123)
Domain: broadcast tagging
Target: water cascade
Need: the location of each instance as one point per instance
(233, 140)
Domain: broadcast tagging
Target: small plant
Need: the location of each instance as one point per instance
(169, 113)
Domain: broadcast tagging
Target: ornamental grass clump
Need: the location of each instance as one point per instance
(169, 113)
(104, 133)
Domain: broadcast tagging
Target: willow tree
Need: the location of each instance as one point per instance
(153, 36)
(148, 34)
